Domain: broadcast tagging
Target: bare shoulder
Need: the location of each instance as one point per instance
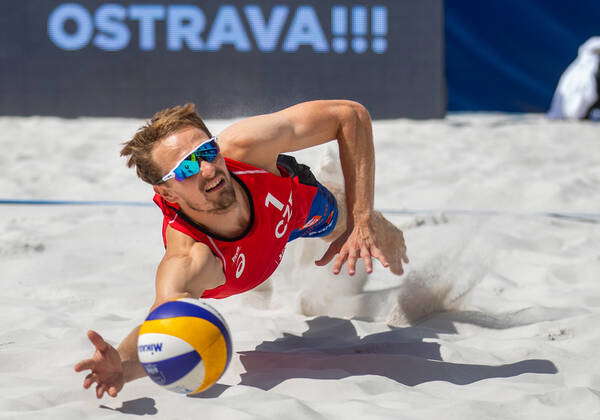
(190, 264)
(181, 245)
(248, 140)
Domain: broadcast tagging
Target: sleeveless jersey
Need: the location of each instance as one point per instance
(278, 206)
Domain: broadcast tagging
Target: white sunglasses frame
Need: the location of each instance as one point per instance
(171, 173)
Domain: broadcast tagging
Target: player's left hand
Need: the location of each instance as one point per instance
(374, 238)
(105, 365)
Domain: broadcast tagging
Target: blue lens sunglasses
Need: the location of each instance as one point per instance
(190, 165)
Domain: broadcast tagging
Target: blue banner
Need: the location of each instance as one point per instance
(508, 55)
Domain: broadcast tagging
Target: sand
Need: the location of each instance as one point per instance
(496, 317)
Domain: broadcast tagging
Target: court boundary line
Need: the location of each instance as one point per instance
(575, 216)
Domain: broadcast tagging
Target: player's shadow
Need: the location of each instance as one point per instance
(332, 349)
(140, 407)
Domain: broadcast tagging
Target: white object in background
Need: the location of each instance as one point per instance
(577, 88)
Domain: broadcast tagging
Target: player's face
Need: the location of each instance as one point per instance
(210, 190)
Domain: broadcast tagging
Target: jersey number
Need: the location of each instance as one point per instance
(282, 225)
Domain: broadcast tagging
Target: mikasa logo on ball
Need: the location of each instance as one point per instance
(155, 347)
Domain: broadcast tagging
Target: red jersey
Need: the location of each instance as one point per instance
(278, 206)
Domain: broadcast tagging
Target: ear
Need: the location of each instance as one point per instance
(166, 193)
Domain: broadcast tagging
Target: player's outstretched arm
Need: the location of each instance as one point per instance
(187, 269)
(259, 140)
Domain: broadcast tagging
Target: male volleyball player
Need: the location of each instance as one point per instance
(231, 205)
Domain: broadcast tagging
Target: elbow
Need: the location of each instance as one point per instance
(362, 113)
(354, 110)
(353, 113)
(357, 108)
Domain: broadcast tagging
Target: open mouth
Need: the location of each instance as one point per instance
(215, 185)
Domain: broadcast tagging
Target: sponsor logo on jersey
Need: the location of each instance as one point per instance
(239, 260)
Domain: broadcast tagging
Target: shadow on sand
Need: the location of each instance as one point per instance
(139, 407)
(332, 349)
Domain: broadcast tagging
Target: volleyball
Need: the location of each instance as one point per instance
(185, 346)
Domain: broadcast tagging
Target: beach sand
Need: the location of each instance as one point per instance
(496, 317)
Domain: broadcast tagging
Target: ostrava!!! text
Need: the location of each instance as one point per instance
(71, 27)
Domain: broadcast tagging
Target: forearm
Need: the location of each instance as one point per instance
(170, 284)
(132, 368)
(355, 138)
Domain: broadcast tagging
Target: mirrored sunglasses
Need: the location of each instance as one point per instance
(190, 165)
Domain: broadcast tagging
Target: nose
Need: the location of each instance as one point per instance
(208, 169)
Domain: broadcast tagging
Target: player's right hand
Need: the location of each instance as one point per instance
(105, 365)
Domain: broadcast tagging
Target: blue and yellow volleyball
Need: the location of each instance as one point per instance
(185, 346)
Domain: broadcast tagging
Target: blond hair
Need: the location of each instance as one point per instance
(162, 124)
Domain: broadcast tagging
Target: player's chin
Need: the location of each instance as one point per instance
(224, 200)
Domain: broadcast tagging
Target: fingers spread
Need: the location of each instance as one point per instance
(328, 256)
(89, 380)
(100, 390)
(366, 257)
(379, 255)
(339, 261)
(405, 258)
(397, 269)
(352, 261)
(85, 364)
(97, 341)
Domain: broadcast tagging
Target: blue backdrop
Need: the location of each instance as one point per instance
(507, 55)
